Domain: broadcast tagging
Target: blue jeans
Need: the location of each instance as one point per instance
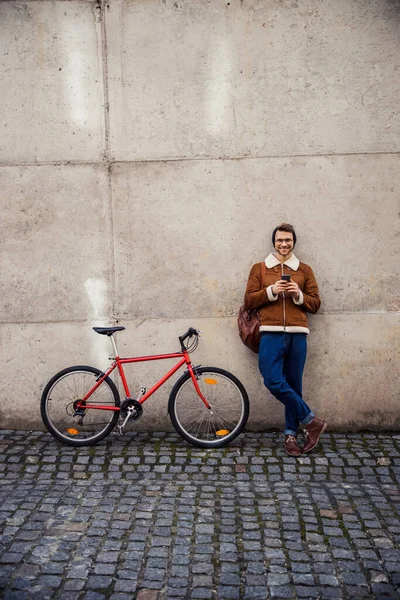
(281, 360)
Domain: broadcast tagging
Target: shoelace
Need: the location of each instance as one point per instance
(290, 438)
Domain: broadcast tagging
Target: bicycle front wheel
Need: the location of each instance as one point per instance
(79, 426)
(199, 425)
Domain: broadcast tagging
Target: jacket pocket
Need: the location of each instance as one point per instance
(295, 315)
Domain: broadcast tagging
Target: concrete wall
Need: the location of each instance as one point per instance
(147, 150)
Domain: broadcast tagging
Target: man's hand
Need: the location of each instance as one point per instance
(293, 289)
(279, 286)
(289, 287)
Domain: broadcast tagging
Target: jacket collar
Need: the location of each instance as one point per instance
(271, 261)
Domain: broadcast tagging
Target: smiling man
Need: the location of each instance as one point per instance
(285, 290)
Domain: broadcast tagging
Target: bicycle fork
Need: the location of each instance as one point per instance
(195, 378)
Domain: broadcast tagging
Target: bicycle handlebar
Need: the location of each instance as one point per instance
(190, 332)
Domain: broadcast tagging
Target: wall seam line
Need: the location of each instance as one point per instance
(107, 161)
(183, 318)
(111, 241)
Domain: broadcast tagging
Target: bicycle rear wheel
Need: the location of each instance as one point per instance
(79, 427)
(203, 427)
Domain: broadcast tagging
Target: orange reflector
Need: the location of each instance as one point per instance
(222, 432)
(210, 381)
(72, 431)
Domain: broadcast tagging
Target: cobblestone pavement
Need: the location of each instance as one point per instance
(149, 517)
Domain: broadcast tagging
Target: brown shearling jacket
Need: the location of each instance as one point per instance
(280, 313)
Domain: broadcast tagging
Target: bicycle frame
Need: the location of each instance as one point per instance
(119, 362)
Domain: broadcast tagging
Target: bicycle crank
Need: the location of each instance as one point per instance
(130, 409)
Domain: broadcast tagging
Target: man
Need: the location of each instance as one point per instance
(284, 290)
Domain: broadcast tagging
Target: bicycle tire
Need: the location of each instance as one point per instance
(199, 425)
(57, 410)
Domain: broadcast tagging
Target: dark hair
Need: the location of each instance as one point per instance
(284, 227)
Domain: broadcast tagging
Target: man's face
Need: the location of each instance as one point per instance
(284, 243)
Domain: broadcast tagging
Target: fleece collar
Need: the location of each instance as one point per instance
(271, 261)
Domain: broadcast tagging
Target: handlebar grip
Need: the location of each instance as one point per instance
(191, 331)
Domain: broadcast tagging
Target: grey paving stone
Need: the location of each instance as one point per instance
(331, 594)
(328, 580)
(129, 524)
(229, 579)
(49, 581)
(16, 595)
(254, 592)
(205, 593)
(93, 596)
(229, 592)
(74, 584)
(98, 582)
(307, 592)
(281, 592)
(125, 585)
(277, 579)
(303, 579)
(104, 569)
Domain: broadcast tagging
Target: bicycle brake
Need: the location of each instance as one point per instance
(194, 371)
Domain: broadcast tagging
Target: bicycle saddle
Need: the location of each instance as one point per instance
(107, 330)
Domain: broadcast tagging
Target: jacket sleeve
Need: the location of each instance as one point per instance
(311, 299)
(255, 295)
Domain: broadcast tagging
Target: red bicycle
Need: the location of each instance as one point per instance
(207, 406)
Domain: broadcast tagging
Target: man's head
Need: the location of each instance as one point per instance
(284, 239)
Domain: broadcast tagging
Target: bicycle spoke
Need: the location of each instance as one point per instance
(208, 426)
(73, 425)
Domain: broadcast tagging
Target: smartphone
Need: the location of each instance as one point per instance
(285, 278)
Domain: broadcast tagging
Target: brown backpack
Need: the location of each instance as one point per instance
(249, 325)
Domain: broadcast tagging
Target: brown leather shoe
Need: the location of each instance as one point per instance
(291, 446)
(313, 432)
